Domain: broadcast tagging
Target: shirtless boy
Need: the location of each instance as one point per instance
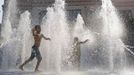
(35, 48)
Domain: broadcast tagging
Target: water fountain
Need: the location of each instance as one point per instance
(56, 27)
(57, 52)
(23, 34)
(113, 30)
(14, 37)
(7, 31)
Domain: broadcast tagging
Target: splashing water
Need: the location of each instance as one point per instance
(56, 52)
(23, 34)
(81, 31)
(6, 26)
(14, 49)
(113, 31)
(7, 33)
(79, 27)
(56, 27)
(111, 20)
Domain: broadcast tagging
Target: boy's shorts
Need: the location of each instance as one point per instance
(35, 53)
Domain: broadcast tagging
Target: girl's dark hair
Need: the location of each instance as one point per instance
(76, 38)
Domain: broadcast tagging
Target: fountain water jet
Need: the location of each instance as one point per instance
(14, 36)
(24, 34)
(7, 30)
(113, 31)
(56, 27)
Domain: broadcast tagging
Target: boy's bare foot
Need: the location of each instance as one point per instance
(21, 68)
(36, 70)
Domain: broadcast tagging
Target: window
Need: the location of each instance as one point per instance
(72, 14)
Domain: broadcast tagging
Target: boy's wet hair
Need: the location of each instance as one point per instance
(37, 26)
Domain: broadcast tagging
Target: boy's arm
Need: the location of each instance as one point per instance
(84, 41)
(45, 37)
(33, 31)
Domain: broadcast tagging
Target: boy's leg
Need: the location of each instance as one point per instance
(37, 65)
(27, 61)
(39, 58)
